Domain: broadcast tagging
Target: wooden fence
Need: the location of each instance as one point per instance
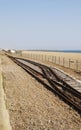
(68, 63)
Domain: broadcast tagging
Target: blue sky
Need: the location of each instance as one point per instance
(40, 24)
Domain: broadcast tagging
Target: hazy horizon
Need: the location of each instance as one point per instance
(40, 25)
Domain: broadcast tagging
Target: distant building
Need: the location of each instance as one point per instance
(11, 51)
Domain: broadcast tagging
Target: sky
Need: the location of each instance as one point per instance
(40, 24)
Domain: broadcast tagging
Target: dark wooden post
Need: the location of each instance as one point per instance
(63, 61)
(42, 57)
(69, 63)
(76, 65)
(55, 59)
(45, 57)
(52, 59)
(59, 60)
(48, 58)
(38, 57)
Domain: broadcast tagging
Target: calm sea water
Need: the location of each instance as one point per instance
(71, 51)
(67, 51)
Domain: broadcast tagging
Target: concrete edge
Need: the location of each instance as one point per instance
(4, 115)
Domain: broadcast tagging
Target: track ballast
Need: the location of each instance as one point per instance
(52, 81)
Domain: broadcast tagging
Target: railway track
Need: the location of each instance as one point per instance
(53, 81)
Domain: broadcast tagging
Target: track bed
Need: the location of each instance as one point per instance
(53, 80)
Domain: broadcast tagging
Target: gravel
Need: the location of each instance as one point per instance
(33, 107)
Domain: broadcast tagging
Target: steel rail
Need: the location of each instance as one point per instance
(59, 79)
(53, 85)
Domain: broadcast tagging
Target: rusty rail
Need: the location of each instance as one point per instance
(53, 83)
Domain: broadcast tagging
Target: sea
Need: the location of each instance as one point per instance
(66, 51)
(70, 51)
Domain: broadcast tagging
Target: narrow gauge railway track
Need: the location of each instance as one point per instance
(52, 82)
(76, 84)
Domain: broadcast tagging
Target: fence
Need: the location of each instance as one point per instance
(62, 61)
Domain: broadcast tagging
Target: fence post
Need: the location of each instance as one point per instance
(59, 60)
(63, 61)
(55, 59)
(42, 57)
(52, 59)
(28, 55)
(48, 58)
(76, 65)
(38, 57)
(31, 55)
(69, 63)
(34, 56)
(45, 57)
